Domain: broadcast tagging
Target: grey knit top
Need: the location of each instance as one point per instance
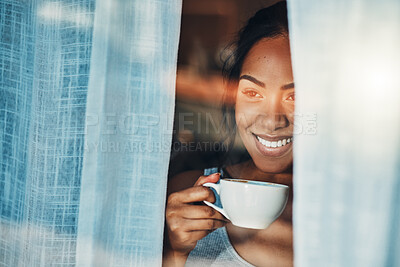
(215, 249)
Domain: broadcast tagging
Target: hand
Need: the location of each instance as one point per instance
(187, 223)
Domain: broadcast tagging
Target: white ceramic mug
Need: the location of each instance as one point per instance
(250, 204)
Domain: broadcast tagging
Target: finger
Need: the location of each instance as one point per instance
(192, 194)
(201, 212)
(212, 178)
(203, 225)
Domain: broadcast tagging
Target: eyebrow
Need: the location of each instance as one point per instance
(252, 79)
(288, 86)
(260, 83)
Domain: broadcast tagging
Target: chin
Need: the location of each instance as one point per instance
(274, 166)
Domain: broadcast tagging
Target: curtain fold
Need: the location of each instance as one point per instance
(346, 63)
(86, 110)
(130, 111)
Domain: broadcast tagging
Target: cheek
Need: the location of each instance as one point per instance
(245, 113)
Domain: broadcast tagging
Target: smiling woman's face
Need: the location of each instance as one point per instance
(265, 104)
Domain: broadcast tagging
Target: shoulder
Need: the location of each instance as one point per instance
(183, 180)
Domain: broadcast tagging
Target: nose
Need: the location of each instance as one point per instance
(272, 117)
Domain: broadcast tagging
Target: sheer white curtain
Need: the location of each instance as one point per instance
(346, 62)
(86, 110)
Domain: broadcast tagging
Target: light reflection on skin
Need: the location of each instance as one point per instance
(264, 106)
(265, 103)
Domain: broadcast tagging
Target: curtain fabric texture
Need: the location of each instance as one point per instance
(346, 64)
(86, 110)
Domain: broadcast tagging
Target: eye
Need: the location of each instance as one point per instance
(291, 97)
(251, 93)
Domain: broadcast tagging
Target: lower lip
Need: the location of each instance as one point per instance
(272, 151)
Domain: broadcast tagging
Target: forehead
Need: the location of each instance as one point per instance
(269, 59)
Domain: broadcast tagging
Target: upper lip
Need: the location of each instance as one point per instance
(272, 138)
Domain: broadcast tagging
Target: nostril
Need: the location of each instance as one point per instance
(282, 121)
(273, 122)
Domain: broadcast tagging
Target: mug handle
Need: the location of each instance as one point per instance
(217, 189)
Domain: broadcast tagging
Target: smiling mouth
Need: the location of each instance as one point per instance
(273, 146)
(277, 143)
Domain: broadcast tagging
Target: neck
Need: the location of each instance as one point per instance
(248, 170)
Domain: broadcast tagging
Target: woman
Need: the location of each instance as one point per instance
(263, 92)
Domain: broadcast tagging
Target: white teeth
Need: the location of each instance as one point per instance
(278, 143)
(264, 142)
